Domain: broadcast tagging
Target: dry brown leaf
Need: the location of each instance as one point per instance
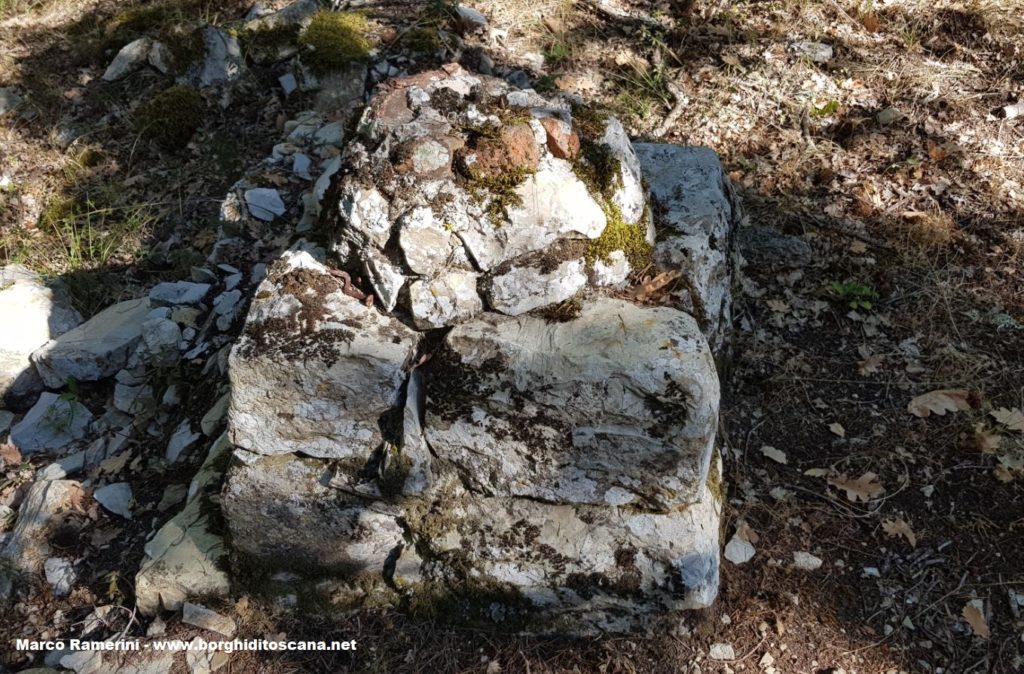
(975, 616)
(939, 402)
(858, 247)
(864, 488)
(9, 455)
(777, 306)
(870, 365)
(897, 527)
(986, 441)
(774, 454)
(115, 464)
(837, 429)
(744, 532)
(1012, 419)
(655, 286)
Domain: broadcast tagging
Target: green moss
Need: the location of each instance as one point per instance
(590, 121)
(171, 117)
(270, 39)
(598, 168)
(136, 21)
(620, 235)
(499, 192)
(185, 46)
(335, 39)
(424, 39)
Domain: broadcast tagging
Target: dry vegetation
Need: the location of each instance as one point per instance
(888, 159)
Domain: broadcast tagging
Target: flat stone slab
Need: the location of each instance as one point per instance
(53, 423)
(96, 349)
(618, 406)
(315, 370)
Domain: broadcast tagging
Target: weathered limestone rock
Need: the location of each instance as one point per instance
(185, 559)
(128, 60)
(525, 287)
(53, 423)
(618, 406)
(28, 545)
(41, 313)
(497, 434)
(315, 369)
(699, 213)
(445, 300)
(96, 349)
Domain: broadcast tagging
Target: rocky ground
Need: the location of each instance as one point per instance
(874, 442)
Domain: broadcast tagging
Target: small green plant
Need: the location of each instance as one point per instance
(557, 52)
(335, 39)
(829, 108)
(855, 295)
(171, 117)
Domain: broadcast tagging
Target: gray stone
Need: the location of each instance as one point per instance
(161, 337)
(60, 574)
(612, 271)
(428, 246)
(386, 278)
(174, 293)
(6, 419)
(226, 303)
(447, 299)
(137, 399)
(302, 128)
(160, 57)
(524, 288)
(231, 281)
(9, 100)
(66, 466)
(83, 662)
(41, 313)
(181, 440)
(53, 423)
(223, 61)
(185, 559)
(200, 616)
(555, 204)
(332, 133)
(364, 213)
(117, 498)
(278, 531)
(699, 216)
(301, 163)
(630, 196)
(128, 60)
(617, 407)
(297, 14)
(469, 19)
(819, 52)
(314, 369)
(215, 415)
(264, 203)
(28, 546)
(288, 83)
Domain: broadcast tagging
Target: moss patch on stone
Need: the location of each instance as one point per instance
(598, 168)
(620, 235)
(171, 117)
(424, 39)
(498, 191)
(334, 40)
(185, 45)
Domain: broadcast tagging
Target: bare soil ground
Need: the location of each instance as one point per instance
(891, 159)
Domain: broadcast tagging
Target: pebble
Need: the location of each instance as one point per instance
(116, 498)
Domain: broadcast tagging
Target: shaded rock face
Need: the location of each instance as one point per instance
(465, 413)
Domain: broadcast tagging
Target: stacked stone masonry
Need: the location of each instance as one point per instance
(473, 406)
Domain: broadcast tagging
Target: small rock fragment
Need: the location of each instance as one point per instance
(200, 616)
(116, 498)
(264, 203)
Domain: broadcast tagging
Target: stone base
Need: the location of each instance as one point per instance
(510, 563)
